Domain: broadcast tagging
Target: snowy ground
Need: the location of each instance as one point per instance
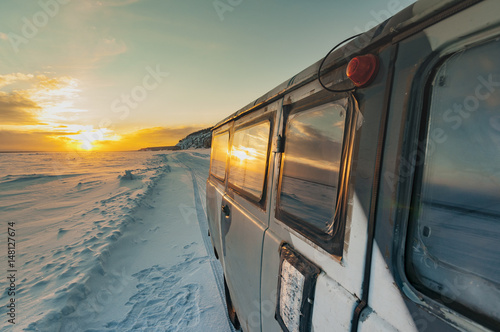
(99, 250)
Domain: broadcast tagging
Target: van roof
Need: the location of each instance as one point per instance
(403, 24)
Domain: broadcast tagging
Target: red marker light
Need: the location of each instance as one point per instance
(362, 69)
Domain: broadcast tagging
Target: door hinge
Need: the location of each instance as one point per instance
(279, 144)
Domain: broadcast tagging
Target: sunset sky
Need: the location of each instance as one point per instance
(126, 74)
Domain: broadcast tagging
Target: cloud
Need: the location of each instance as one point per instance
(34, 81)
(29, 98)
(17, 109)
(12, 140)
(10, 79)
(53, 83)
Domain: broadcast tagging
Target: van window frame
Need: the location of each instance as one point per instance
(233, 188)
(222, 132)
(408, 197)
(332, 243)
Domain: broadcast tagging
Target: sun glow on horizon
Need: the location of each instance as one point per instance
(43, 112)
(88, 139)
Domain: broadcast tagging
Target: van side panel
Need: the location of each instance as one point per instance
(242, 249)
(215, 188)
(242, 230)
(329, 314)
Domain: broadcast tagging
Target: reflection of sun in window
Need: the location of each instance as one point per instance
(243, 154)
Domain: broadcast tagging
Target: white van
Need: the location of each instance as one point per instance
(369, 199)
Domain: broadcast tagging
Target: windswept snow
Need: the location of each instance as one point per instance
(116, 243)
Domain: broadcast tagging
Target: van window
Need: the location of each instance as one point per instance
(219, 155)
(453, 250)
(249, 158)
(311, 163)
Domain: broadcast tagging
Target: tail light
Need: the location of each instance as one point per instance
(362, 69)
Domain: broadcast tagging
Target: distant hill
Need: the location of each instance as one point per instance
(201, 139)
(159, 148)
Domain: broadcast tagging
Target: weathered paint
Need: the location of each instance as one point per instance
(371, 322)
(333, 306)
(384, 291)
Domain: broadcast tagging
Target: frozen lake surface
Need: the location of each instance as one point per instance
(109, 242)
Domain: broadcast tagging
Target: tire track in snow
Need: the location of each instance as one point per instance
(202, 221)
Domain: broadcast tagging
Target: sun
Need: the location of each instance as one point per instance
(86, 139)
(86, 145)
